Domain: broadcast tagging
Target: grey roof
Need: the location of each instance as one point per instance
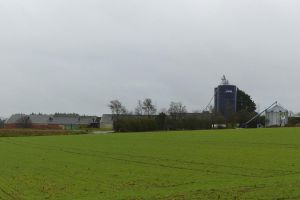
(41, 119)
(73, 120)
(106, 119)
(277, 108)
(14, 118)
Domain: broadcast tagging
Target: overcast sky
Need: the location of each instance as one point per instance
(77, 55)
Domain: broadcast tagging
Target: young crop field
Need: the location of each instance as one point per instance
(216, 164)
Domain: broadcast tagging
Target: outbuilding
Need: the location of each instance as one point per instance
(277, 116)
(56, 121)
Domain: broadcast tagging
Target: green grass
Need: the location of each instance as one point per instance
(221, 164)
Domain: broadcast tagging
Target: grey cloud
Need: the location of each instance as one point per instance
(75, 56)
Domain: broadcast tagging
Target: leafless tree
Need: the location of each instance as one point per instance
(139, 108)
(177, 109)
(148, 107)
(116, 107)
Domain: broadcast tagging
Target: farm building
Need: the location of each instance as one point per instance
(225, 98)
(106, 121)
(277, 116)
(41, 121)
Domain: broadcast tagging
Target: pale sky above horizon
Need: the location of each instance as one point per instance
(76, 56)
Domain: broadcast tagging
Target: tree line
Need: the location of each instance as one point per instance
(146, 117)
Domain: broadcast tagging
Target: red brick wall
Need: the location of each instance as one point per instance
(10, 126)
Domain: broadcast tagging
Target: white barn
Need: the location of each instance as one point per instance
(277, 116)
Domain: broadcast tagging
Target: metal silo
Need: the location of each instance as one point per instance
(226, 98)
(277, 116)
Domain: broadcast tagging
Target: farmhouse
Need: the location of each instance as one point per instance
(57, 121)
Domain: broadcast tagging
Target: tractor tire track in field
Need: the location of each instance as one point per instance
(10, 192)
(57, 173)
(171, 160)
(141, 162)
(197, 195)
(276, 172)
(71, 151)
(134, 161)
(292, 146)
(109, 156)
(238, 192)
(7, 194)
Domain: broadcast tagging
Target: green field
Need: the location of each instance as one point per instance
(221, 164)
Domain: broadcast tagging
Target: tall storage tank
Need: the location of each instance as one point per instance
(226, 98)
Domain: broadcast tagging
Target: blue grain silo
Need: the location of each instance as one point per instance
(225, 98)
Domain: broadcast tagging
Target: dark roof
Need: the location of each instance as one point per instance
(52, 119)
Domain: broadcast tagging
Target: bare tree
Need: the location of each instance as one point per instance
(148, 107)
(117, 109)
(177, 109)
(139, 108)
